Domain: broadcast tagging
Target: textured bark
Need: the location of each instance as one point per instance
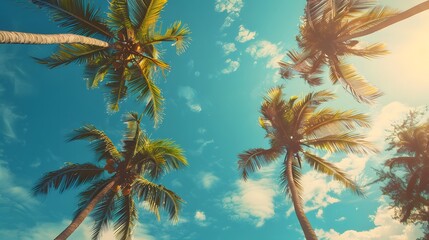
(392, 20)
(85, 212)
(32, 38)
(297, 204)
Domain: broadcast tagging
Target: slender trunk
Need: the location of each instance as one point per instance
(392, 20)
(32, 38)
(85, 212)
(296, 200)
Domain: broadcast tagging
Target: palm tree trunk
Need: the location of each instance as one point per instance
(297, 204)
(392, 20)
(85, 212)
(32, 38)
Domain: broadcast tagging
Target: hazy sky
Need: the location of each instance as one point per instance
(213, 94)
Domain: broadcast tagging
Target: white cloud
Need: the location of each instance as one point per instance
(244, 35)
(7, 121)
(232, 66)
(202, 130)
(208, 179)
(188, 93)
(231, 7)
(229, 48)
(340, 219)
(12, 195)
(385, 228)
(319, 213)
(200, 216)
(203, 144)
(253, 200)
(266, 49)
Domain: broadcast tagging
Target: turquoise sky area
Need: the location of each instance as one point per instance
(213, 94)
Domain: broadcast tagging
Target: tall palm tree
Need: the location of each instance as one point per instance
(294, 128)
(131, 170)
(328, 34)
(123, 47)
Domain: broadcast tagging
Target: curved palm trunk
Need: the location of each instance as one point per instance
(32, 38)
(297, 204)
(392, 20)
(84, 213)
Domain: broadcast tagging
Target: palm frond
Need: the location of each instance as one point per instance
(157, 196)
(176, 33)
(305, 107)
(159, 156)
(370, 51)
(347, 142)
(142, 84)
(99, 141)
(297, 177)
(327, 121)
(67, 177)
(366, 20)
(321, 165)
(118, 89)
(118, 16)
(69, 53)
(138, 10)
(151, 16)
(134, 136)
(253, 159)
(126, 214)
(352, 82)
(95, 73)
(401, 161)
(76, 15)
(103, 213)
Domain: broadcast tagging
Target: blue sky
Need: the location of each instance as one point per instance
(213, 93)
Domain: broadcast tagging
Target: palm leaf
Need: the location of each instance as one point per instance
(103, 213)
(370, 51)
(138, 10)
(176, 33)
(118, 16)
(158, 196)
(67, 177)
(76, 15)
(400, 161)
(69, 53)
(99, 141)
(126, 217)
(118, 89)
(374, 16)
(327, 121)
(352, 82)
(152, 14)
(321, 165)
(95, 73)
(347, 142)
(141, 84)
(297, 176)
(253, 159)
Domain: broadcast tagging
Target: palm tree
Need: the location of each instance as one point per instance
(328, 33)
(111, 197)
(122, 47)
(407, 179)
(293, 128)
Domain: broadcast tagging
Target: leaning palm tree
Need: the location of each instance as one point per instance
(121, 177)
(123, 47)
(294, 128)
(328, 34)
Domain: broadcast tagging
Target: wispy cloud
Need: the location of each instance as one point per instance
(244, 34)
(386, 228)
(229, 48)
(188, 93)
(7, 121)
(14, 73)
(266, 49)
(231, 7)
(203, 143)
(319, 213)
(232, 66)
(208, 179)
(253, 199)
(340, 219)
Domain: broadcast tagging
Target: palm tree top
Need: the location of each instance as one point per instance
(131, 57)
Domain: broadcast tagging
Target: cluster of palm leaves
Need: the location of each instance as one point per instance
(125, 175)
